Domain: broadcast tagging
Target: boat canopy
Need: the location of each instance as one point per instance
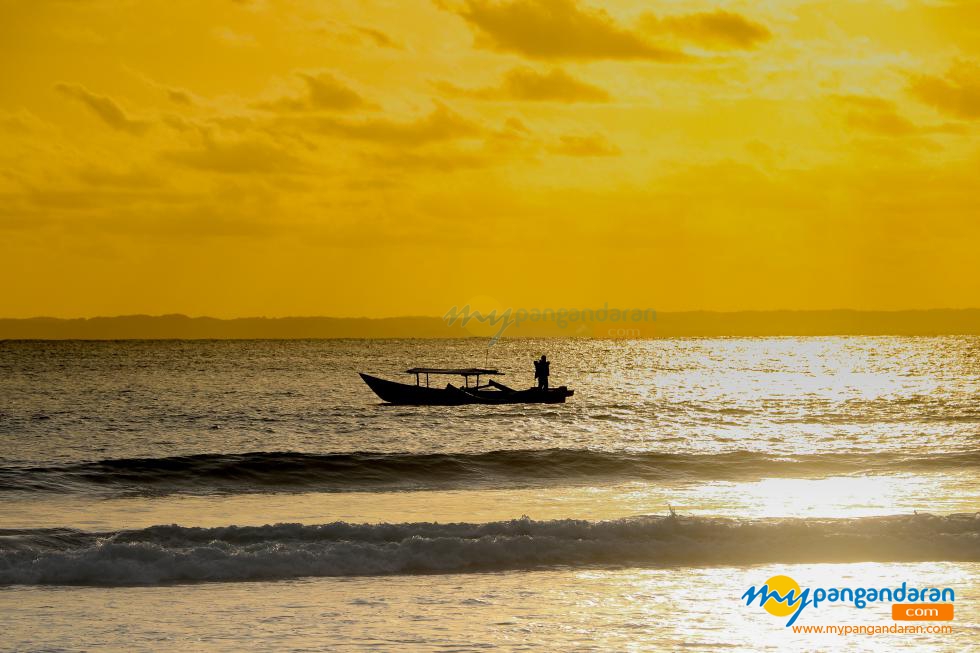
(463, 371)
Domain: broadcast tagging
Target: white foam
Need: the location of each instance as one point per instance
(164, 554)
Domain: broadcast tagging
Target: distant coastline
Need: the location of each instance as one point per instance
(666, 325)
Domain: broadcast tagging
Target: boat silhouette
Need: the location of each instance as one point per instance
(493, 392)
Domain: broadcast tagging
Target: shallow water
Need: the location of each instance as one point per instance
(805, 454)
(560, 609)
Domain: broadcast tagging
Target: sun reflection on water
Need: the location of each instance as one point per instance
(837, 496)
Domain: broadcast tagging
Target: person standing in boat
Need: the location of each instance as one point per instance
(542, 369)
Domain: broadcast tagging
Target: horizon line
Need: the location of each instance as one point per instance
(442, 317)
(561, 323)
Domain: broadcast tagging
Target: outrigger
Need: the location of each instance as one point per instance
(492, 392)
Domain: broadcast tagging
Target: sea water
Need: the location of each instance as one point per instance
(232, 494)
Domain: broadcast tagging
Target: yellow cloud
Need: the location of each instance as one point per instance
(558, 29)
(179, 96)
(238, 157)
(718, 30)
(527, 84)
(875, 115)
(377, 37)
(436, 160)
(323, 92)
(105, 108)
(594, 145)
(958, 93)
(441, 124)
(96, 175)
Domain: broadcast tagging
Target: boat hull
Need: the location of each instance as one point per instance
(408, 394)
(405, 394)
(529, 396)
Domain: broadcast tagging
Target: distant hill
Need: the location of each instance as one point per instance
(662, 325)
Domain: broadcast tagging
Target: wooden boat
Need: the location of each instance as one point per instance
(407, 394)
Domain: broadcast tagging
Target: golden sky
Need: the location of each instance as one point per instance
(398, 157)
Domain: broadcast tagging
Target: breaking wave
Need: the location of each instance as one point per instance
(365, 471)
(169, 554)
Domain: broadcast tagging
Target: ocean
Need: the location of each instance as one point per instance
(221, 495)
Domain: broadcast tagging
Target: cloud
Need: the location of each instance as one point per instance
(105, 177)
(957, 93)
(179, 96)
(323, 92)
(22, 123)
(105, 108)
(237, 157)
(174, 94)
(881, 116)
(377, 37)
(516, 126)
(557, 29)
(442, 124)
(439, 161)
(327, 92)
(720, 30)
(874, 114)
(527, 84)
(595, 145)
(340, 32)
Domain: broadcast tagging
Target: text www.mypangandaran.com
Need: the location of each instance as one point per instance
(893, 629)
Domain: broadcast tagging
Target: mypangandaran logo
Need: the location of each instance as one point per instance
(561, 317)
(781, 596)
